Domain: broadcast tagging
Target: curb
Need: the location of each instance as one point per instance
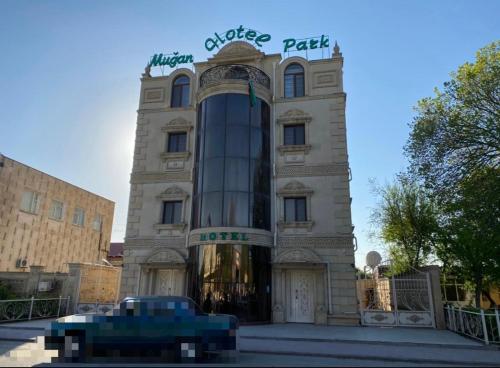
(375, 357)
(371, 342)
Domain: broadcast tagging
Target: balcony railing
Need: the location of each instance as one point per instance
(28, 309)
(221, 73)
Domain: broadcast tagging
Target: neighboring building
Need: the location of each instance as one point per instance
(240, 201)
(47, 222)
(115, 255)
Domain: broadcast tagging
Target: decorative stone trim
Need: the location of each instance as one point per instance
(312, 170)
(165, 156)
(177, 125)
(173, 193)
(296, 148)
(165, 256)
(171, 242)
(311, 98)
(294, 116)
(159, 177)
(296, 225)
(315, 241)
(294, 188)
(178, 227)
(298, 255)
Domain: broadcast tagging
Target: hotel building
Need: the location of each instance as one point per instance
(240, 189)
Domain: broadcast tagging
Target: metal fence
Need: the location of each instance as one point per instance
(28, 309)
(482, 325)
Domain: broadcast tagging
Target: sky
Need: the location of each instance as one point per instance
(70, 70)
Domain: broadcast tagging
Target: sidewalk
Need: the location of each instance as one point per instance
(405, 335)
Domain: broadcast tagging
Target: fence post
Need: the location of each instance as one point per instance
(395, 300)
(461, 319)
(31, 307)
(67, 305)
(498, 321)
(59, 306)
(485, 330)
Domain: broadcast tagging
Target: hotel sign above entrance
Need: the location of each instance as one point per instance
(224, 236)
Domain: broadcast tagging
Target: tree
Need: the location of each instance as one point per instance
(457, 132)
(408, 223)
(472, 225)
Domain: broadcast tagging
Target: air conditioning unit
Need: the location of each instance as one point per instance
(45, 286)
(22, 263)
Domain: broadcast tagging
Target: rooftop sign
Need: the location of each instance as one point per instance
(291, 44)
(170, 59)
(239, 33)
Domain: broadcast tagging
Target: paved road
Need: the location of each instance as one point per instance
(292, 344)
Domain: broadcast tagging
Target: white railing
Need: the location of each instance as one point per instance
(482, 325)
(28, 309)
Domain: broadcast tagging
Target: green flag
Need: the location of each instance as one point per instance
(251, 93)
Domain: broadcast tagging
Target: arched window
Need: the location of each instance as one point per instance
(294, 80)
(180, 92)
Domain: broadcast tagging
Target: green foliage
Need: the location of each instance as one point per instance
(6, 292)
(407, 219)
(457, 132)
(454, 148)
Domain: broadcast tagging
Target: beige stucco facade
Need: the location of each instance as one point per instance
(320, 249)
(35, 233)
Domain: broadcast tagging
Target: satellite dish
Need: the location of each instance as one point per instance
(373, 259)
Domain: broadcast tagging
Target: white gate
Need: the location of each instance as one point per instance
(396, 300)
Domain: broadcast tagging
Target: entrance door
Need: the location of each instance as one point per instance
(167, 283)
(302, 297)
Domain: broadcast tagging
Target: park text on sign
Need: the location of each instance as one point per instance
(223, 236)
(239, 33)
(291, 44)
(171, 61)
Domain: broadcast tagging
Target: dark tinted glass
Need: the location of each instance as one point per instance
(232, 160)
(239, 283)
(294, 134)
(295, 209)
(236, 209)
(180, 92)
(172, 212)
(236, 175)
(213, 175)
(211, 209)
(177, 142)
(294, 81)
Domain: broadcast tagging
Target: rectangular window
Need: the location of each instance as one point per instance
(79, 217)
(295, 209)
(171, 213)
(97, 224)
(56, 210)
(177, 142)
(30, 202)
(294, 134)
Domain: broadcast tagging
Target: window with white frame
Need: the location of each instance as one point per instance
(79, 217)
(56, 210)
(30, 202)
(97, 223)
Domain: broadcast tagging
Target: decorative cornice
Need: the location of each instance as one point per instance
(297, 255)
(311, 170)
(171, 242)
(178, 227)
(316, 241)
(309, 98)
(165, 256)
(175, 155)
(294, 188)
(174, 192)
(294, 116)
(178, 124)
(159, 177)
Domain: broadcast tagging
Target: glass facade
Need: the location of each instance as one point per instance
(232, 167)
(233, 279)
(232, 187)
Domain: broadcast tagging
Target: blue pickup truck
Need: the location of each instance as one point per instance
(146, 329)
